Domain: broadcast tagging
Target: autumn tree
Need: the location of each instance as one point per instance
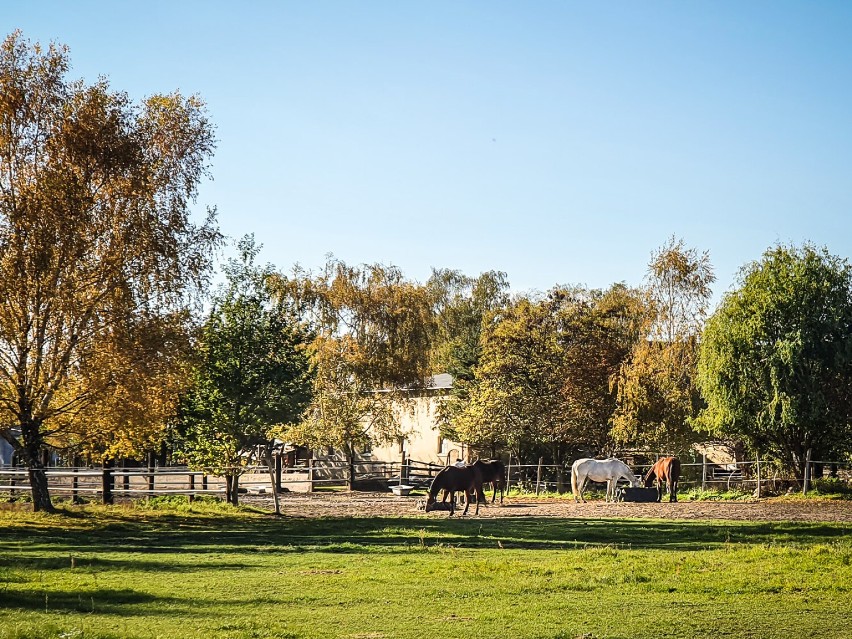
(464, 306)
(657, 392)
(373, 333)
(252, 373)
(98, 251)
(543, 378)
(775, 362)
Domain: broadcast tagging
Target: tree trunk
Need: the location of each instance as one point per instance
(235, 490)
(31, 453)
(40, 492)
(232, 489)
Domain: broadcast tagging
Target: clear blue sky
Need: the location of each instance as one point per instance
(561, 142)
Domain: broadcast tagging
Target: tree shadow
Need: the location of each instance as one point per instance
(166, 534)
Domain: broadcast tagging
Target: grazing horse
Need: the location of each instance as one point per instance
(452, 479)
(494, 473)
(665, 472)
(608, 470)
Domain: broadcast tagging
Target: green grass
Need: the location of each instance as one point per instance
(209, 571)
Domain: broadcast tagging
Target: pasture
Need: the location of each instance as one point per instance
(213, 572)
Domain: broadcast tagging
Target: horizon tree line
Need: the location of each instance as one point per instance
(105, 349)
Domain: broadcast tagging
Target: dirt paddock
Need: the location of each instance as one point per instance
(370, 504)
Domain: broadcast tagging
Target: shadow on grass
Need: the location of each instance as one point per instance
(220, 533)
(107, 601)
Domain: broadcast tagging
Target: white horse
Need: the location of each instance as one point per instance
(608, 470)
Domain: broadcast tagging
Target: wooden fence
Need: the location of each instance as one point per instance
(107, 484)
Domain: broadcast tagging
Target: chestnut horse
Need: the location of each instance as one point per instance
(665, 472)
(452, 479)
(494, 473)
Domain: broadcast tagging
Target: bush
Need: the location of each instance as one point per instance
(832, 486)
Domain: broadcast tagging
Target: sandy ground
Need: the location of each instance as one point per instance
(368, 504)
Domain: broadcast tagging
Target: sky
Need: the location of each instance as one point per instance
(559, 142)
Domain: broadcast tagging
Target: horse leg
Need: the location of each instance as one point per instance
(582, 484)
(673, 490)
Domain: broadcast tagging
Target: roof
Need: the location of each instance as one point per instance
(442, 381)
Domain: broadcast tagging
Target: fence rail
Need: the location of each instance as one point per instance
(139, 482)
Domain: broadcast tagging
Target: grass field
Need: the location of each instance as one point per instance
(213, 572)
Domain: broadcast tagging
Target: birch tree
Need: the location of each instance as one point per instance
(99, 253)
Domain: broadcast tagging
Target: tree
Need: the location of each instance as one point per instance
(98, 250)
(373, 335)
(464, 306)
(253, 373)
(657, 394)
(775, 364)
(543, 378)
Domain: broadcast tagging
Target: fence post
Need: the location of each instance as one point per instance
(151, 473)
(805, 484)
(191, 487)
(279, 464)
(757, 461)
(538, 475)
(703, 471)
(12, 479)
(509, 474)
(75, 498)
(311, 475)
(107, 481)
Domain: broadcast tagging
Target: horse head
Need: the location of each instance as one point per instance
(430, 502)
(650, 476)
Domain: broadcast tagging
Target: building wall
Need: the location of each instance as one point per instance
(423, 441)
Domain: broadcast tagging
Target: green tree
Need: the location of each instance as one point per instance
(373, 336)
(657, 393)
(775, 363)
(100, 260)
(544, 375)
(253, 373)
(464, 306)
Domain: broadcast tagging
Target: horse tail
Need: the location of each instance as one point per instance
(675, 468)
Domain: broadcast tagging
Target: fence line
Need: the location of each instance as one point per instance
(129, 482)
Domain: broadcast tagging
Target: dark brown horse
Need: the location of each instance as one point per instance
(494, 473)
(452, 479)
(666, 473)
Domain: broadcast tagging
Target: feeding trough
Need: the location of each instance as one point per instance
(401, 490)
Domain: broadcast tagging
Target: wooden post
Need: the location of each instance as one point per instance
(279, 469)
(538, 475)
(311, 475)
(758, 476)
(703, 471)
(204, 482)
(151, 472)
(806, 483)
(191, 487)
(272, 479)
(509, 474)
(12, 477)
(75, 498)
(125, 480)
(107, 482)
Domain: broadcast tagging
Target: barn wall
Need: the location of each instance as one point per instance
(423, 442)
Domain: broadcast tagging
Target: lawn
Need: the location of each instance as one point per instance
(216, 572)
